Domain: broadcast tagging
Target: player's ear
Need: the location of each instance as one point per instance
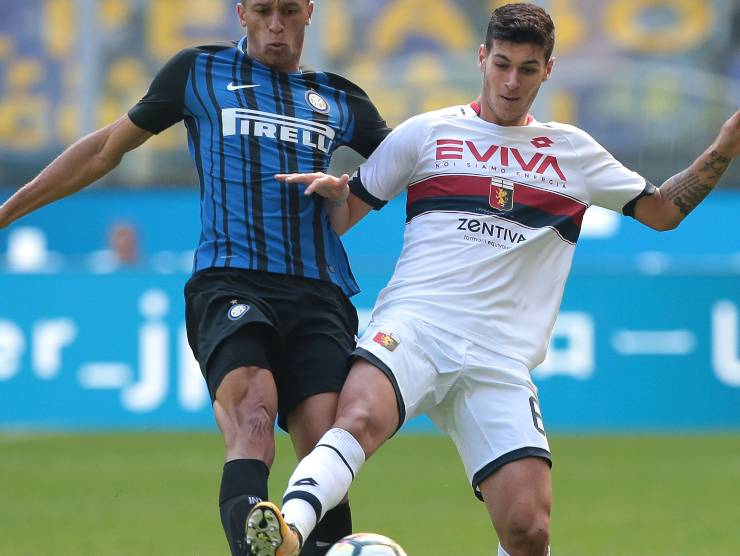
(482, 55)
(310, 12)
(548, 68)
(240, 12)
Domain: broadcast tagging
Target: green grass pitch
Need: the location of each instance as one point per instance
(156, 494)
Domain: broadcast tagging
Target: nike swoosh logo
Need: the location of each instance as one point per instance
(321, 544)
(232, 87)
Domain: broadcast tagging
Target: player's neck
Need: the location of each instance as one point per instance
(491, 117)
(292, 66)
(487, 114)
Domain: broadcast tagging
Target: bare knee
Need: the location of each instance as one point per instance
(245, 409)
(253, 420)
(526, 532)
(361, 423)
(367, 406)
(518, 498)
(248, 432)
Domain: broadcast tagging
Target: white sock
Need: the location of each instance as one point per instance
(322, 479)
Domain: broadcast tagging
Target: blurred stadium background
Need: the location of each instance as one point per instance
(641, 389)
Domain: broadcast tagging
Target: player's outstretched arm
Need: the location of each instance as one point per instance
(87, 160)
(345, 209)
(681, 194)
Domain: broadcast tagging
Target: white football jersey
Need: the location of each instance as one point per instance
(493, 217)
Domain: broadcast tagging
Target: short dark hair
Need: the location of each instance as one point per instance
(244, 2)
(522, 23)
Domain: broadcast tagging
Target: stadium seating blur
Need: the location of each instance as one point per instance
(652, 81)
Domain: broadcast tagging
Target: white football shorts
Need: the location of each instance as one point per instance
(486, 402)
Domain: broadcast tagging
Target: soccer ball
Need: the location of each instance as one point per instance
(366, 544)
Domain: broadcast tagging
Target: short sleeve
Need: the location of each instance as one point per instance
(390, 167)
(609, 183)
(368, 128)
(163, 105)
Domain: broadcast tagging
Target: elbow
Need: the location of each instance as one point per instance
(666, 224)
(106, 155)
(672, 225)
(104, 163)
(663, 219)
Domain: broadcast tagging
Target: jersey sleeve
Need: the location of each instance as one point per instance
(367, 128)
(164, 103)
(391, 166)
(610, 184)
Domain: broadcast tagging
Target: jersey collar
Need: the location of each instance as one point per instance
(475, 105)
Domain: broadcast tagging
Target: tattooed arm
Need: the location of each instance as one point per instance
(681, 194)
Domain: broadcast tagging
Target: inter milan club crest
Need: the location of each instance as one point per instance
(237, 310)
(387, 339)
(502, 194)
(317, 102)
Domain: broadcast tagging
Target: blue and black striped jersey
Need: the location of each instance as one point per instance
(245, 124)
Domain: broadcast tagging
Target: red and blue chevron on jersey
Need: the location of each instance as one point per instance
(493, 214)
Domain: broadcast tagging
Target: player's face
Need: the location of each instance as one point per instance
(512, 75)
(275, 30)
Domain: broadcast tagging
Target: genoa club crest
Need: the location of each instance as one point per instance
(501, 196)
(387, 339)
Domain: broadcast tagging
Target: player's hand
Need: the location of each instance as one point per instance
(728, 140)
(335, 189)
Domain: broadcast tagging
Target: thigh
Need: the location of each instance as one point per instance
(319, 328)
(368, 406)
(310, 419)
(393, 347)
(228, 325)
(493, 417)
(253, 345)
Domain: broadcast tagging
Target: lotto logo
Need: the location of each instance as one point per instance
(542, 142)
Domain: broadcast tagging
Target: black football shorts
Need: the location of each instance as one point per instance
(301, 329)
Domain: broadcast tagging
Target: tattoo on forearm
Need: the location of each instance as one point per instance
(716, 165)
(688, 189)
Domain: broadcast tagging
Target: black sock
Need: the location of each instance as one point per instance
(243, 484)
(336, 524)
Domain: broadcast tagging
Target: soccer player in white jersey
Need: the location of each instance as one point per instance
(495, 205)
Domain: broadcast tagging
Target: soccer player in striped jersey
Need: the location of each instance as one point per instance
(267, 308)
(495, 201)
